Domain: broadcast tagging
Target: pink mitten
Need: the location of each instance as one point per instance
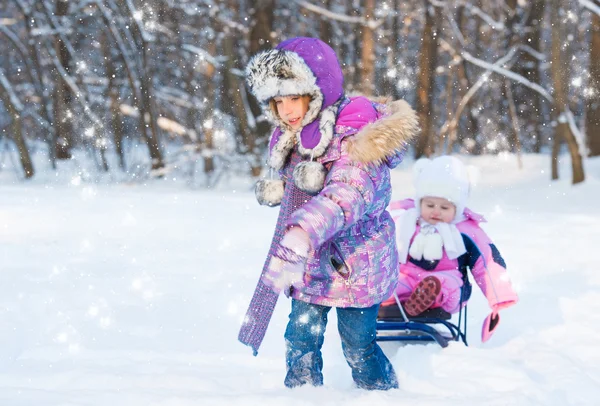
(286, 268)
(490, 324)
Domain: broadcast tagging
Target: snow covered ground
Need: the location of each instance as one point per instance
(119, 294)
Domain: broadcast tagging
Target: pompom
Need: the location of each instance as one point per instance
(269, 192)
(309, 176)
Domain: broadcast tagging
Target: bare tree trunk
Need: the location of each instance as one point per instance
(63, 112)
(368, 52)
(465, 84)
(425, 88)
(19, 140)
(116, 120)
(449, 108)
(593, 107)
(558, 135)
(260, 39)
(148, 111)
(146, 104)
(514, 118)
(9, 99)
(559, 78)
(530, 103)
(261, 25)
(209, 163)
(236, 97)
(513, 128)
(46, 103)
(325, 29)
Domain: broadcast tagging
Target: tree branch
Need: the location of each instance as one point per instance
(590, 6)
(373, 24)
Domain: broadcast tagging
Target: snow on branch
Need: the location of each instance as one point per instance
(28, 112)
(204, 55)
(74, 88)
(137, 20)
(25, 9)
(373, 24)
(451, 125)
(60, 30)
(531, 51)
(166, 124)
(508, 73)
(590, 5)
(47, 31)
(114, 32)
(32, 72)
(179, 99)
(84, 4)
(495, 25)
(24, 55)
(15, 40)
(14, 100)
(496, 67)
(455, 28)
(128, 39)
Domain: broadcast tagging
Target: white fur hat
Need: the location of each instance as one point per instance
(444, 176)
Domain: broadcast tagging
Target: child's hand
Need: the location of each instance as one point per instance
(490, 324)
(286, 268)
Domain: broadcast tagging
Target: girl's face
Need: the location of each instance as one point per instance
(437, 210)
(291, 109)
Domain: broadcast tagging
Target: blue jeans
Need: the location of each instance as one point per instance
(304, 337)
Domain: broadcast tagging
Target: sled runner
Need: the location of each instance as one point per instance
(433, 325)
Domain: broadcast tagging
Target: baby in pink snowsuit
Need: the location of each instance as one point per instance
(437, 236)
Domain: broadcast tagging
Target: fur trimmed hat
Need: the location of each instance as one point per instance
(299, 66)
(446, 177)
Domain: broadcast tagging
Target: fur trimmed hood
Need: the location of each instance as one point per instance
(382, 140)
(299, 66)
(373, 133)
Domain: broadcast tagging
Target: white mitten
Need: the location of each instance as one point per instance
(286, 268)
(428, 244)
(432, 249)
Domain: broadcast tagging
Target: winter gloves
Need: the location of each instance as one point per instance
(490, 324)
(286, 268)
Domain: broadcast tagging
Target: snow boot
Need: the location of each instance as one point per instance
(423, 296)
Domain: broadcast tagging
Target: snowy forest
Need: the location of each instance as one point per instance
(131, 241)
(143, 88)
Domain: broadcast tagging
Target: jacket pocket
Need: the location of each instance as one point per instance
(328, 263)
(337, 260)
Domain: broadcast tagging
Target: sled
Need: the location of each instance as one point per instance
(433, 325)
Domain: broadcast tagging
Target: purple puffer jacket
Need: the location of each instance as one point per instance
(354, 262)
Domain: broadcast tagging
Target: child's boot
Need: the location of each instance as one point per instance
(423, 296)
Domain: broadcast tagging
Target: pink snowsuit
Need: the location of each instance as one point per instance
(482, 258)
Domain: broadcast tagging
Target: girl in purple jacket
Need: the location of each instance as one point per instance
(435, 232)
(334, 240)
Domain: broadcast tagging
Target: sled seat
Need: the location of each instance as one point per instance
(433, 325)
